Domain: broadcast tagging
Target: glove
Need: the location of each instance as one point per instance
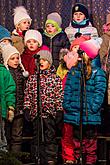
(10, 114)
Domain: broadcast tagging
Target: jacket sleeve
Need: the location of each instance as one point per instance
(10, 89)
(99, 92)
(66, 42)
(67, 94)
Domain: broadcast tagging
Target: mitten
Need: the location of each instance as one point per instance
(10, 114)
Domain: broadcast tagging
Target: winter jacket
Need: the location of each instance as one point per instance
(28, 60)
(50, 92)
(55, 44)
(19, 80)
(7, 90)
(92, 99)
(17, 41)
(88, 30)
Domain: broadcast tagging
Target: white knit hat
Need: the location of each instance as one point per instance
(9, 50)
(55, 17)
(33, 34)
(20, 13)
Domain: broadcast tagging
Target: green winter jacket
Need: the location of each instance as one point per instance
(7, 91)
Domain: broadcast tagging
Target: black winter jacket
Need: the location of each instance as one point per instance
(55, 44)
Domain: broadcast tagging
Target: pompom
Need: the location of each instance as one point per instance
(20, 9)
(25, 73)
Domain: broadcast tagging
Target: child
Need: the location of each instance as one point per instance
(80, 23)
(69, 58)
(33, 43)
(93, 96)
(7, 102)
(54, 37)
(12, 61)
(51, 104)
(22, 23)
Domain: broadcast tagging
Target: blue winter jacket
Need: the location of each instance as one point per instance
(92, 98)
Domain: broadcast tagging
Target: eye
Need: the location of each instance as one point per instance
(28, 41)
(25, 22)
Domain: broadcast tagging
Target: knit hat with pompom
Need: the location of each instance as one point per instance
(20, 14)
(9, 50)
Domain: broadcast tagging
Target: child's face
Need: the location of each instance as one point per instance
(44, 64)
(13, 61)
(24, 25)
(75, 48)
(51, 29)
(78, 17)
(32, 45)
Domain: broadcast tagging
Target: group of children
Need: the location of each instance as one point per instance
(71, 82)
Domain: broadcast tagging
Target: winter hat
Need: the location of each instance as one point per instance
(20, 13)
(9, 50)
(4, 34)
(91, 47)
(79, 40)
(33, 34)
(46, 54)
(55, 19)
(79, 7)
(108, 19)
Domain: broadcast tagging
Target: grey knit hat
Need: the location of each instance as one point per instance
(45, 54)
(55, 17)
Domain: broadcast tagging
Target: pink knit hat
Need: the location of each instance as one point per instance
(91, 47)
(79, 40)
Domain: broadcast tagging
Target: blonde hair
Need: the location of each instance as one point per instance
(87, 62)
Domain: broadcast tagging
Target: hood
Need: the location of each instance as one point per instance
(96, 62)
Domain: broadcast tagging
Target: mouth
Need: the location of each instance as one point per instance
(41, 65)
(31, 47)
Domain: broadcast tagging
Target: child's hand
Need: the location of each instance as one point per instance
(71, 59)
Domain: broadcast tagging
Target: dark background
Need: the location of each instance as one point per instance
(38, 10)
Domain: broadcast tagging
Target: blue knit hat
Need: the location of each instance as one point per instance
(79, 7)
(4, 34)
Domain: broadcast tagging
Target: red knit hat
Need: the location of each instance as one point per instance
(79, 40)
